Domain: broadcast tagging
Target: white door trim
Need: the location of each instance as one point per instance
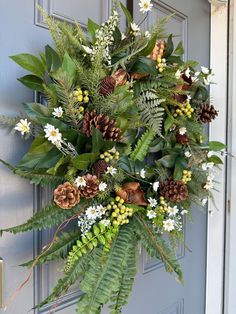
(218, 131)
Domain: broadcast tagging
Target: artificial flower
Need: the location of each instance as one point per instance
(178, 74)
(151, 214)
(23, 126)
(172, 211)
(182, 131)
(152, 202)
(111, 170)
(205, 70)
(105, 222)
(156, 185)
(147, 34)
(169, 225)
(135, 29)
(80, 182)
(142, 173)
(187, 73)
(52, 134)
(145, 6)
(187, 154)
(58, 112)
(102, 186)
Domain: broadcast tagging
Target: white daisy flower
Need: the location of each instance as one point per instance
(23, 126)
(187, 154)
(205, 70)
(58, 112)
(204, 201)
(156, 185)
(187, 73)
(52, 134)
(182, 131)
(80, 182)
(142, 173)
(91, 212)
(172, 211)
(102, 186)
(87, 49)
(135, 29)
(147, 34)
(152, 202)
(105, 222)
(145, 6)
(111, 170)
(168, 225)
(184, 212)
(178, 74)
(151, 214)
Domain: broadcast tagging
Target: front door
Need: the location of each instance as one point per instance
(155, 292)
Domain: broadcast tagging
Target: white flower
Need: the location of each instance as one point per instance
(210, 154)
(123, 36)
(145, 6)
(187, 154)
(105, 222)
(168, 225)
(111, 170)
(142, 173)
(208, 79)
(147, 34)
(87, 49)
(182, 131)
(187, 73)
(204, 201)
(135, 29)
(184, 212)
(209, 185)
(172, 211)
(58, 112)
(207, 165)
(80, 182)
(195, 78)
(205, 70)
(152, 202)
(52, 134)
(91, 212)
(102, 186)
(151, 214)
(23, 126)
(178, 74)
(155, 186)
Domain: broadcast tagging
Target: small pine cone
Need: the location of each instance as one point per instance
(175, 191)
(182, 139)
(207, 113)
(99, 168)
(107, 86)
(121, 77)
(66, 195)
(92, 186)
(158, 50)
(103, 124)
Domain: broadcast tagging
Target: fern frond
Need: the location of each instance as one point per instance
(9, 122)
(59, 249)
(141, 149)
(104, 276)
(156, 246)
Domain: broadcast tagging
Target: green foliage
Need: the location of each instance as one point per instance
(9, 122)
(66, 72)
(141, 149)
(33, 82)
(156, 246)
(46, 217)
(105, 273)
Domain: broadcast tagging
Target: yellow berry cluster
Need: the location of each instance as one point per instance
(184, 109)
(163, 205)
(119, 212)
(110, 155)
(187, 176)
(161, 64)
(80, 95)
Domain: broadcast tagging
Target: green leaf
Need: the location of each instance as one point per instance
(150, 46)
(179, 50)
(92, 27)
(53, 60)
(216, 146)
(169, 47)
(36, 110)
(32, 82)
(97, 140)
(117, 37)
(179, 167)
(30, 63)
(169, 121)
(156, 145)
(144, 65)
(67, 71)
(217, 160)
(129, 165)
(127, 13)
(142, 147)
(83, 161)
(168, 161)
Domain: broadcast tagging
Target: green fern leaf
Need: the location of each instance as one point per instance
(142, 146)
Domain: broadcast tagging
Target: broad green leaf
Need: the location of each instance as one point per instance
(83, 161)
(36, 110)
(179, 167)
(156, 145)
(92, 27)
(127, 13)
(215, 159)
(168, 123)
(179, 50)
(169, 47)
(32, 82)
(168, 161)
(67, 71)
(30, 63)
(216, 146)
(97, 140)
(117, 37)
(53, 60)
(150, 46)
(144, 65)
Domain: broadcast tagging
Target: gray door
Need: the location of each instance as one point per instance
(155, 292)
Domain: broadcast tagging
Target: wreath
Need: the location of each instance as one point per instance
(122, 144)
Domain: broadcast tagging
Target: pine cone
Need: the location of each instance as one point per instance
(107, 86)
(158, 50)
(66, 196)
(103, 124)
(175, 191)
(92, 186)
(182, 139)
(120, 77)
(207, 113)
(99, 167)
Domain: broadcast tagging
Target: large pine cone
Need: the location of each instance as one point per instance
(131, 193)
(92, 186)
(182, 139)
(107, 86)
(207, 113)
(66, 196)
(99, 168)
(158, 50)
(175, 191)
(103, 124)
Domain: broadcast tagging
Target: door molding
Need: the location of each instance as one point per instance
(218, 131)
